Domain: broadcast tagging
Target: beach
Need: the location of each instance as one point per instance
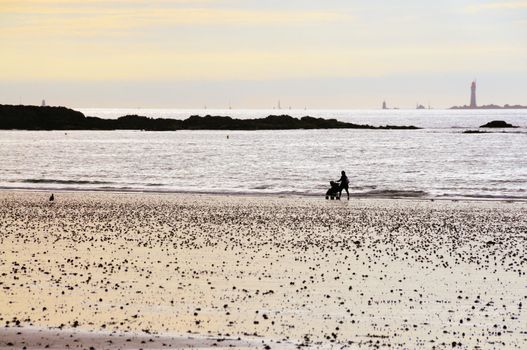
(135, 270)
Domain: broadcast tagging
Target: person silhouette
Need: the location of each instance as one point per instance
(344, 183)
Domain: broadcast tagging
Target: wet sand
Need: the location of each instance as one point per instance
(109, 270)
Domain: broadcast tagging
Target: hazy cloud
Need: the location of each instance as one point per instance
(255, 40)
(499, 5)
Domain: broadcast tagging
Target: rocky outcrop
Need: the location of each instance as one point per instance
(61, 118)
(498, 124)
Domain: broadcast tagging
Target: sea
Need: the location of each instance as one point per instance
(437, 161)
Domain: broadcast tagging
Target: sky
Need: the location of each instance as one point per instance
(251, 53)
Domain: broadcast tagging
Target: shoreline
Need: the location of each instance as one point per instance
(389, 195)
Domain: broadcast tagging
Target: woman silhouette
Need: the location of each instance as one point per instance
(344, 183)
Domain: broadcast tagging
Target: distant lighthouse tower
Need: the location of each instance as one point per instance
(473, 95)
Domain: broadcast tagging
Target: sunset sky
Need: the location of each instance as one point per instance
(251, 53)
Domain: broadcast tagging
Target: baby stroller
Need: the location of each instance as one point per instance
(333, 192)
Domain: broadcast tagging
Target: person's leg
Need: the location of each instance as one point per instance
(340, 190)
(346, 188)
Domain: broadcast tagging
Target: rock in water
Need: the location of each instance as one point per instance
(498, 124)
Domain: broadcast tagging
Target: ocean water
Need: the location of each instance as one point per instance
(436, 161)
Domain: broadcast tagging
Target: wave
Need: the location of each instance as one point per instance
(262, 187)
(64, 182)
(485, 189)
(393, 193)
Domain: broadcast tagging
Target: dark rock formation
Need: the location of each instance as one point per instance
(274, 122)
(135, 122)
(41, 118)
(498, 124)
(475, 132)
(491, 106)
(61, 118)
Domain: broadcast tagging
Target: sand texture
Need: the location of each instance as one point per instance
(154, 271)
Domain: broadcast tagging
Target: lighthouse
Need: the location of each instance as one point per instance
(473, 95)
